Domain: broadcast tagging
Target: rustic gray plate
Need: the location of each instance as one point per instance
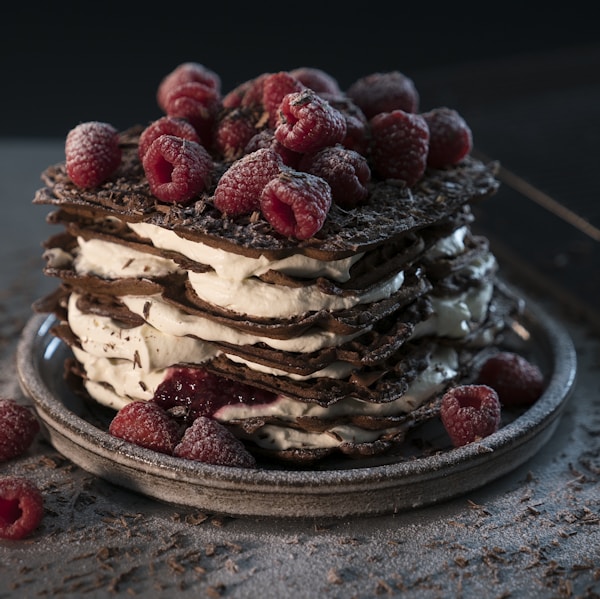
(340, 488)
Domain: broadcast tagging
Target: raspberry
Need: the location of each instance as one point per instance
(469, 413)
(185, 73)
(196, 102)
(206, 440)
(18, 428)
(308, 122)
(450, 138)
(248, 94)
(92, 153)
(176, 169)
(166, 125)
(266, 139)
(21, 507)
(384, 92)
(275, 87)
(318, 80)
(195, 392)
(399, 147)
(296, 204)
(238, 191)
(357, 126)
(517, 381)
(146, 424)
(346, 171)
(233, 132)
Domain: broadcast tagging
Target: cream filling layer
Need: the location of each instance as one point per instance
(237, 267)
(127, 364)
(255, 298)
(249, 296)
(125, 387)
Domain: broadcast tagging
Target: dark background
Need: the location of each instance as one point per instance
(65, 62)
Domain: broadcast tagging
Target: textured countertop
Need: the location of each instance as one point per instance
(534, 532)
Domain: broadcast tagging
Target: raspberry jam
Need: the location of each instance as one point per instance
(201, 393)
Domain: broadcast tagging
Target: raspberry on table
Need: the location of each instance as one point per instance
(238, 190)
(166, 125)
(308, 122)
(185, 73)
(384, 92)
(146, 424)
(92, 153)
(192, 392)
(177, 169)
(318, 80)
(21, 507)
(346, 171)
(18, 429)
(233, 131)
(275, 87)
(196, 102)
(517, 381)
(470, 413)
(208, 441)
(399, 145)
(296, 204)
(450, 138)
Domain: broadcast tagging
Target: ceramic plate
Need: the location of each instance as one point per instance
(77, 429)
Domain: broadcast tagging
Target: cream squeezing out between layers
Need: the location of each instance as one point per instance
(126, 364)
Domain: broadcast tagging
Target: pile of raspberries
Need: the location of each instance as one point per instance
(293, 142)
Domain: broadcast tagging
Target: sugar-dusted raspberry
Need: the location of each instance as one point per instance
(357, 125)
(234, 129)
(192, 392)
(470, 413)
(166, 125)
(450, 138)
(21, 507)
(238, 190)
(399, 145)
(517, 381)
(177, 169)
(185, 73)
(92, 153)
(208, 441)
(296, 204)
(146, 424)
(384, 92)
(275, 87)
(308, 122)
(265, 138)
(248, 94)
(346, 171)
(318, 80)
(18, 428)
(197, 103)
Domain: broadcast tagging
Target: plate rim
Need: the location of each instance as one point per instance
(315, 492)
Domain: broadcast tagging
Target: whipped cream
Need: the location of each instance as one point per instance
(451, 245)
(126, 364)
(249, 296)
(167, 318)
(253, 297)
(237, 267)
(114, 383)
(115, 261)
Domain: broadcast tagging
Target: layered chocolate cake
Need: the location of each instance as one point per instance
(293, 261)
